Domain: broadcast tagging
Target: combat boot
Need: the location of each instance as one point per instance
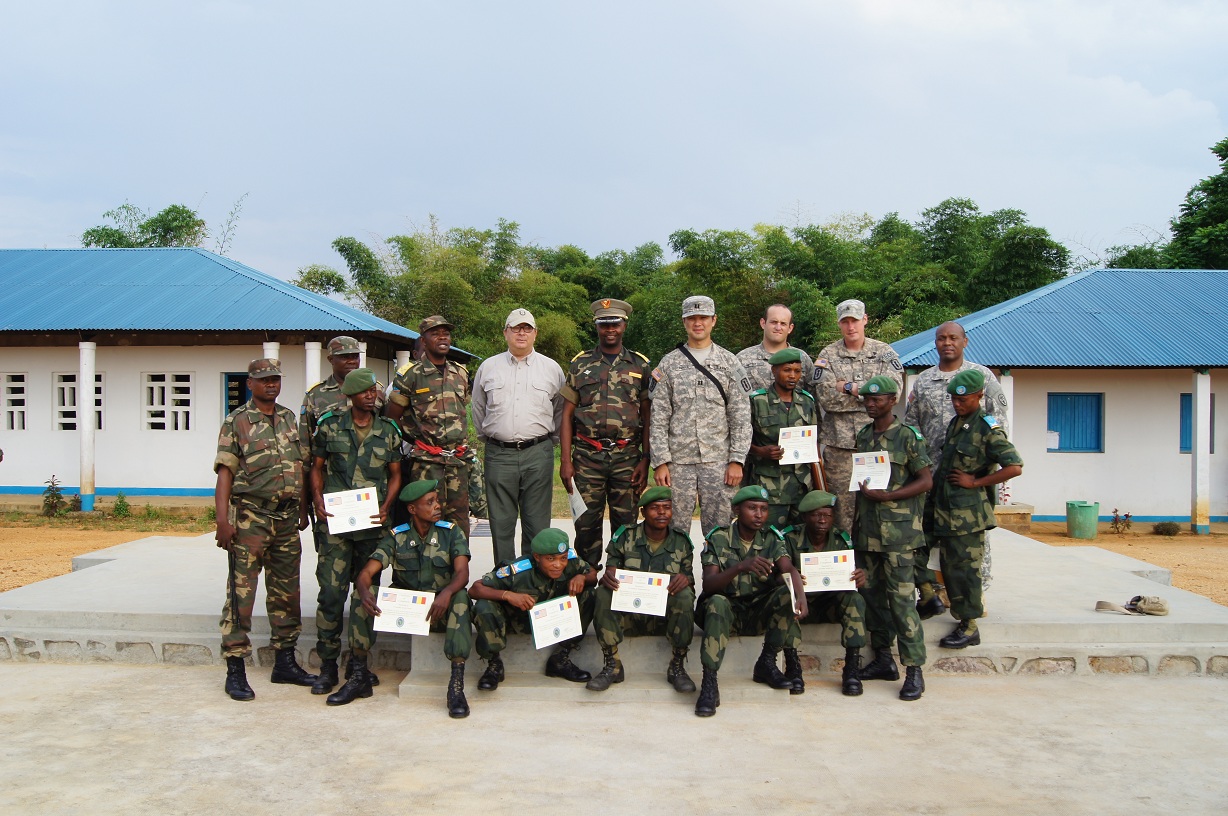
(327, 678)
(611, 670)
(709, 695)
(965, 634)
(793, 671)
(358, 685)
(914, 684)
(458, 706)
(287, 670)
(882, 667)
(766, 671)
(930, 608)
(236, 680)
(349, 667)
(676, 673)
(493, 676)
(850, 681)
(560, 665)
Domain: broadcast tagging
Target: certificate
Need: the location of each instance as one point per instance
(578, 507)
(788, 579)
(555, 620)
(644, 593)
(351, 510)
(801, 445)
(403, 610)
(875, 466)
(830, 571)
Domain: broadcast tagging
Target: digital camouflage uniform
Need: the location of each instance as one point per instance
(885, 536)
(748, 605)
(755, 361)
(630, 549)
(844, 414)
(425, 565)
(698, 433)
(958, 517)
(266, 454)
(846, 608)
(349, 464)
(494, 619)
(785, 483)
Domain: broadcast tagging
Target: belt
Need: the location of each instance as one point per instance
(267, 505)
(458, 451)
(606, 444)
(521, 445)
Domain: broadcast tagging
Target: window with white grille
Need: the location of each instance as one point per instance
(65, 401)
(168, 402)
(14, 402)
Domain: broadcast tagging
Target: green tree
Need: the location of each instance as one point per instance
(1200, 229)
(133, 228)
(1025, 258)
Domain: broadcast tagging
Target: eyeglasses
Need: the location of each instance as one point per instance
(521, 329)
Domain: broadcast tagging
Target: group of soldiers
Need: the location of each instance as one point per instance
(706, 423)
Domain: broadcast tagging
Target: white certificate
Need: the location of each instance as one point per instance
(874, 466)
(644, 593)
(788, 579)
(555, 620)
(578, 508)
(351, 510)
(801, 445)
(830, 571)
(403, 610)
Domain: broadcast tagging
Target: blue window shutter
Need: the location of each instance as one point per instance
(1187, 423)
(1078, 420)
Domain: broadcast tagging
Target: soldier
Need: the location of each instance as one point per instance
(781, 405)
(651, 546)
(777, 325)
(887, 531)
(357, 448)
(426, 555)
(700, 421)
(742, 596)
(960, 509)
(840, 374)
(430, 398)
(604, 428)
(846, 608)
(260, 509)
(504, 596)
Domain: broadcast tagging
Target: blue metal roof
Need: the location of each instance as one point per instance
(1101, 318)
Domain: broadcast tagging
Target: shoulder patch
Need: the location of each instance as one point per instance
(656, 373)
(820, 363)
(896, 364)
(915, 431)
(503, 572)
(520, 566)
(641, 356)
(404, 528)
(1002, 400)
(991, 421)
(447, 525)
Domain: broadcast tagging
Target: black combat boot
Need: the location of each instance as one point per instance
(882, 667)
(965, 634)
(850, 681)
(560, 665)
(358, 685)
(766, 671)
(676, 673)
(914, 684)
(793, 671)
(611, 670)
(930, 608)
(327, 678)
(458, 706)
(709, 695)
(236, 680)
(349, 667)
(287, 670)
(493, 676)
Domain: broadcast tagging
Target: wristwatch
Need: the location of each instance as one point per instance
(848, 388)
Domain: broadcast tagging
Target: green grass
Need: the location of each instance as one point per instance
(153, 520)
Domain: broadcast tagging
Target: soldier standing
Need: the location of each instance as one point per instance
(777, 325)
(700, 421)
(781, 405)
(604, 428)
(261, 507)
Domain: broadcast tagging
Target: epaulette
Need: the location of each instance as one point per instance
(991, 421)
(404, 528)
(579, 354)
(571, 553)
(805, 392)
(758, 392)
(514, 568)
(391, 422)
(915, 431)
(708, 537)
(314, 387)
(618, 533)
(447, 525)
(779, 533)
(845, 537)
(642, 357)
(325, 416)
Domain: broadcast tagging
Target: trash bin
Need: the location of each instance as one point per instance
(1082, 518)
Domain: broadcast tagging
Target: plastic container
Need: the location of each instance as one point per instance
(1081, 519)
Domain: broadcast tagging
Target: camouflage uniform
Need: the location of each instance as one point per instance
(846, 608)
(785, 484)
(493, 619)
(885, 536)
(607, 398)
(843, 414)
(436, 415)
(349, 464)
(424, 565)
(958, 517)
(748, 605)
(698, 433)
(755, 360)
(630, 549)
(266, 455)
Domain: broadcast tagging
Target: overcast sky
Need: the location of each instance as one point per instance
(603, 125)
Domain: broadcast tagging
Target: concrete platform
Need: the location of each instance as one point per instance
(1111, 560)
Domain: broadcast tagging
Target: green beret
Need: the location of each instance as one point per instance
(968, 381)
(785, 355)
(357, 381)
(750, 493)
(550, 541)
(655, 494)
(879, 385)
(814, 500)
(416, 490)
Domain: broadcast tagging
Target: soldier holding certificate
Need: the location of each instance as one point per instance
(781, 405)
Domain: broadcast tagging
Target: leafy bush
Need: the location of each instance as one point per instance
(1166, 528)
(121, 508)
(53, 497)
(1120, 522)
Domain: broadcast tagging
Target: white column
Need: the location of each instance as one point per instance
(402, 359)
(1200, 453)
(1007, 380)
(272, 350)
(85, 421)
(311, 370)
(362, 353)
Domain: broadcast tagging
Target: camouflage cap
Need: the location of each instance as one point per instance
(517, 317)
(814, 500)
(698, 305)
(551, 541)
(879, 385)
(608, 310)
(357, 381)
(655, 494)
(968, 381)
(343, 345)
(416, 490)
(264, 368)
(750, 493)
(850, 308)
(433, 322)
(785, 355)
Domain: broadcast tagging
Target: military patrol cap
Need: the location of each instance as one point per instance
(416, 490)
(357, 381)
(814, 500)
(785, 355)
(750, 493)
(551, 541)
(879, 385)
(608, 310)
(264, 368)
(968, 381)
(655, 494)
(850, 308)
(698, 305)
(433, 322)
(518, 316)
(343, 345)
